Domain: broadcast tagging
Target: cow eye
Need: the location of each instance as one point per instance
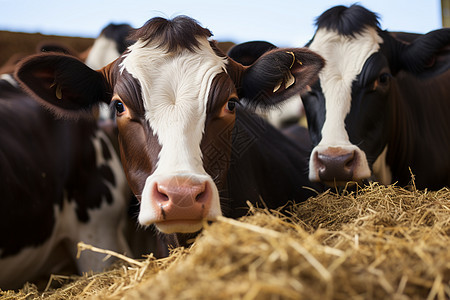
(384, 78)
(231, 104)
(382, 81)
(120, 107)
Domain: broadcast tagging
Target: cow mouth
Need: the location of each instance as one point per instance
(180, 222)
(180, 226)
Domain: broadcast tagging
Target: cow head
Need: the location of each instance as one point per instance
(350, 108)
(175, 96)
(112, 41)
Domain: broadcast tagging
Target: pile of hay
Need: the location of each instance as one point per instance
(375, 243)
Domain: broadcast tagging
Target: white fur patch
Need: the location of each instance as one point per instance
(175, 89)
(345, 56)
(10, 79)
(288, 110)
(381, 171)
(103, 52)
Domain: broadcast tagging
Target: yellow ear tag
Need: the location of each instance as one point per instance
(290, 80)
(293, 58)
(277, 87)
(58, 92)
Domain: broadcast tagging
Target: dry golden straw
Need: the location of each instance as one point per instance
(373, 243)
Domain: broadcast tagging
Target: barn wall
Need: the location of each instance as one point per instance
(12, 43)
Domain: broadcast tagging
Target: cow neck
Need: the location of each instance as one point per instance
(265, 165)
(412, 134)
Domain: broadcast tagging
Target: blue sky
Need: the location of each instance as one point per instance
(284, 23)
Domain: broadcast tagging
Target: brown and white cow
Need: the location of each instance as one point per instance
(61, 183)
(189, 150)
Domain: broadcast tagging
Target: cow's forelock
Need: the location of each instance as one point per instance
(345, 57)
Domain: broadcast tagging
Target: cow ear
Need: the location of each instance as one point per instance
(62, 83)
(247, 53)
(428, 54)
(279, 74)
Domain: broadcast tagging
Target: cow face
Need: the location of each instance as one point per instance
(179, 93)
(175, 96)
(346, 109)
(355, 110)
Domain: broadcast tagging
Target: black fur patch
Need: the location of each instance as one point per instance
(179, 33)
(120, 34)
(347, 20)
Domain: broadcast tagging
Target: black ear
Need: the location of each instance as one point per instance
(427, 55)
(279, 74)
(247, 53)
(63, 83)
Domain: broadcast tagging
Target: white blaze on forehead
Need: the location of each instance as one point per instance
(175, 88)
(345, 56)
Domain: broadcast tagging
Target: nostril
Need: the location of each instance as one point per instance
(202, 193)
(319, 159)
(164, 197)
(349, 160)
(161, 193)
(198, 197)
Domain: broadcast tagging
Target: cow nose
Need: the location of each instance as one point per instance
(336, 166)
(182, 193)
(182, 198)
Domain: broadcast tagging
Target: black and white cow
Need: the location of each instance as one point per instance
(109, 45)
(381, 106)
(61, 183)
(190, 152)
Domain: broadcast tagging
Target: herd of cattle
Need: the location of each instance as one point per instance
(184, 145)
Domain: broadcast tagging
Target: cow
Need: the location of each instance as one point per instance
(380, 109)
(290, 111)
(61, 183)
(109, 45)
(190, 151)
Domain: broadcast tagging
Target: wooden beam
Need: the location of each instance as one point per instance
(445, 5)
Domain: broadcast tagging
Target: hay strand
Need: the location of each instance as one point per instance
(82, 246)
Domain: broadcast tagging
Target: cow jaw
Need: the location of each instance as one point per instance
(175, 88)
(335, 159)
